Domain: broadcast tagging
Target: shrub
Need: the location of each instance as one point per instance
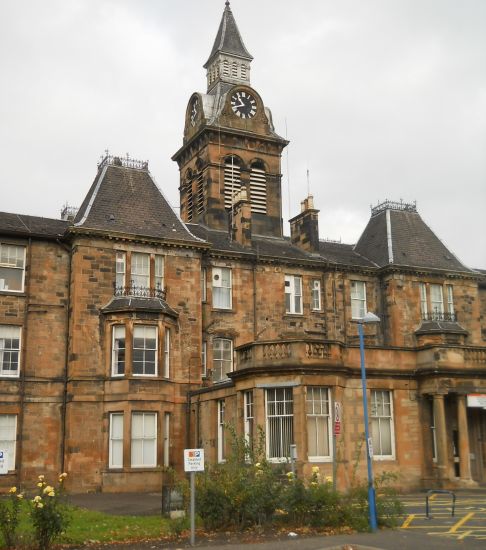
(241, 492)
(48, 512)
(9, 516)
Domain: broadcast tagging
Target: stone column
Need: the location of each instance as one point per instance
(440, 436)
(464, 456)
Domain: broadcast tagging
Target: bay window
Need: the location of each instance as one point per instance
(144, 440)
(279, 423)
(318, 424)
(144, 358)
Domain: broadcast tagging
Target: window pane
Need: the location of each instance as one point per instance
(8, 436)
(140, 269)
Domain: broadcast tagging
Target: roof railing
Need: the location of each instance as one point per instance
(393, 205)
(125, 161)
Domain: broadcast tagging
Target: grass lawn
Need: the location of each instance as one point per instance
(89, 526)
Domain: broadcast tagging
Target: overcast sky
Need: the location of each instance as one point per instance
(381, 99)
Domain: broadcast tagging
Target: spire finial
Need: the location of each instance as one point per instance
(227, 4)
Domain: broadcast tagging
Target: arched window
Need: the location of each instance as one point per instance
(226, 71)
(258, 188)
(243, 71)
(232, 180)
(234, 69)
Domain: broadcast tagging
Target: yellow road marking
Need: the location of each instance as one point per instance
(408, 521)
(462, 521)
(464, 535)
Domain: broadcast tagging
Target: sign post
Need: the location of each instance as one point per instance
(193, 462)
(335, 433)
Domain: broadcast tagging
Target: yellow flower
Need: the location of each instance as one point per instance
(13, 490)
(63, 475)
(51, 494)
(313, 482)
(315, 469)
(37, 499)
(48, 489)
(40, 484)
(20, 496)
(39, 505)
(290, 475)
(41, 478)
(329, 479)
(258, 465)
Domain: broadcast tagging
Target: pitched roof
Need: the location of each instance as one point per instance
(343, 254)
(397, 235)
(228, 39)
(31, 226)
(127, 200)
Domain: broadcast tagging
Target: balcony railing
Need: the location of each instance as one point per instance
(439, 316)
(134, 291)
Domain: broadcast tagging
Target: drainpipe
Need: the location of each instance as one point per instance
(23, 366)
(66, 359)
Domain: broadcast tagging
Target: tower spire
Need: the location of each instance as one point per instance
(229, 60)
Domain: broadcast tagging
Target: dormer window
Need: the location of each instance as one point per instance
(146, 274)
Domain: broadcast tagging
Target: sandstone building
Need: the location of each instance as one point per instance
(127, 335)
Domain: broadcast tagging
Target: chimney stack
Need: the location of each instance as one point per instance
(304, 228)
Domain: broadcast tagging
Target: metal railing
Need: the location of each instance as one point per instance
(439, 316)
(135, 291)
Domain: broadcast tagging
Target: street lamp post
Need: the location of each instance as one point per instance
(368, 318)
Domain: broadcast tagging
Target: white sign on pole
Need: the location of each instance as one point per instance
(3, 462)
(476, 400)
(193, 460)
(370, 447)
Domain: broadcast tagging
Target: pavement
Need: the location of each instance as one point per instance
(465, 529)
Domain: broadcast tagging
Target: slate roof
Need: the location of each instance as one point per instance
(129, 303)
(228, 39)
(405, 240)
(281, 248)
(127, 200)
(31, 226)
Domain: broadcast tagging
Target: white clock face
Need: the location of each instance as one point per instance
(243, 104)
(194, 111)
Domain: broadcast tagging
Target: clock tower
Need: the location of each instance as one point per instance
(230, 148)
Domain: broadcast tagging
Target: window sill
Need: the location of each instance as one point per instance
(293, 315)
(319, 459)
(222, 310)
(379, 458)
(13, 292)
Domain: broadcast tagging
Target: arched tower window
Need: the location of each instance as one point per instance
(234, 69)
(226, 67)
(258, 188)
(243, 71)
(232, 180)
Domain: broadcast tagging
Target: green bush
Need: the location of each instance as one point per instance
(241, 492)
(9, 517)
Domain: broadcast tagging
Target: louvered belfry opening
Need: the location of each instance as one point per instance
(258, 188)
(189, 199)
(199, 193)
(232, 180)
